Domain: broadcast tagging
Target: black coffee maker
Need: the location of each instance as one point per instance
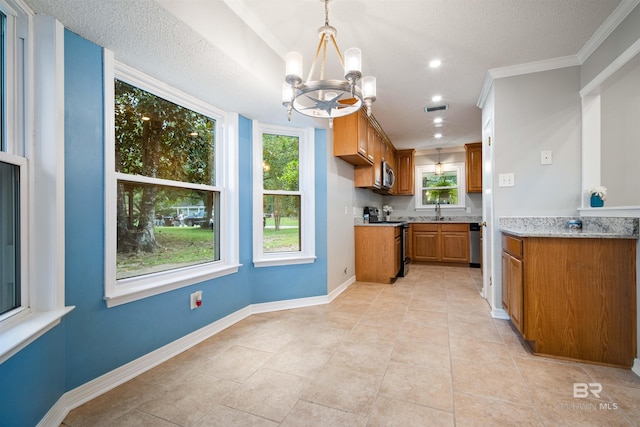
(372, 213)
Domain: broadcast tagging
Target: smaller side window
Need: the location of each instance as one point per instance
(284, 221)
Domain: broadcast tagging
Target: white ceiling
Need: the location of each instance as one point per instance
(230, 52)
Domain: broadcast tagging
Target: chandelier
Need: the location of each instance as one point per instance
(327, 98)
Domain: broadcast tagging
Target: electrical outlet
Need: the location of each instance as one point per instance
(506, 180)
(195, 300)
(545, 157)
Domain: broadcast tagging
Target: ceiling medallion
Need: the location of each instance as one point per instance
(327, 98)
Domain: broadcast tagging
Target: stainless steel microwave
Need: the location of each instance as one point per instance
(388, 176)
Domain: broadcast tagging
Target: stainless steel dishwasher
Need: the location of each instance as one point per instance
(475, 251)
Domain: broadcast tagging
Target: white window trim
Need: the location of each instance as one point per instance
(122, 291)
(306, 176)
(447, 167)
(35, 130)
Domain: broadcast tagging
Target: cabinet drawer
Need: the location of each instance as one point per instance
(454, 227)
(512, 245)
(424, 227)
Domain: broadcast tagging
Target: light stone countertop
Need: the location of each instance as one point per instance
(422, 219)
(592, 227)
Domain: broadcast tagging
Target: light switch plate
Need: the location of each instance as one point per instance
(506, 180)
(545, 157)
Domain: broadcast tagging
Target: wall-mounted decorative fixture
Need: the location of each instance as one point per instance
(327, 98)
(439, 164)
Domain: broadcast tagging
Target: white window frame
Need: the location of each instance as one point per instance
(121, 291)
(34, 132)
(306, 176)
(446, 167)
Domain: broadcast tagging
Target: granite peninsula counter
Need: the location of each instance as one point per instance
(592, 227)
(571, 292)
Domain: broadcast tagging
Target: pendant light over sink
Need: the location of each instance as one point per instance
(327, 98)
(438, 168)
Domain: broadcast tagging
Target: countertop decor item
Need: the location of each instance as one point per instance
(386, 210)
(598, 196)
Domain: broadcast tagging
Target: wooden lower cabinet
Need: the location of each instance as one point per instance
(573, 298)
(440, 242)
(378, 253)
(512, 290)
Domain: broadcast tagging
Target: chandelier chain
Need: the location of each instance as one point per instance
(326, 12)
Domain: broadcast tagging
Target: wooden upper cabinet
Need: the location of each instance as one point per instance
(351, 139)
(474, 167)
(404, 172)
(370, 176)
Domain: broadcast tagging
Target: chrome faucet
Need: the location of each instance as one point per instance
(438, 212)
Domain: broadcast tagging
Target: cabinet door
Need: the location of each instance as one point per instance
(474, 167)
(455, 246)
(505, 281)
(350, 140)
(404, 172)
(516, 300)
(364, 146)
(425, 246)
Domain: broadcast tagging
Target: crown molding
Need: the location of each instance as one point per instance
(520, 69)
(608, 26)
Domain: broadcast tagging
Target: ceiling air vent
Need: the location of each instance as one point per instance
(437, 108)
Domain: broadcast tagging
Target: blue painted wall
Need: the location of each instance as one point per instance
(93, 340)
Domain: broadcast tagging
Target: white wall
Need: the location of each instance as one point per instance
(531, 113)
(342, 195)
(536, 112)
(620, 135)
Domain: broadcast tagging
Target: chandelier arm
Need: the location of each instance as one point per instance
(324, 57)
(315, 59)
(335, 44)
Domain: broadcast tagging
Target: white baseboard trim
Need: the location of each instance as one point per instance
(500, 313)
(340, 289)
(98, 386)
(636, 366)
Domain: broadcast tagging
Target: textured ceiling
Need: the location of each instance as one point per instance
(230, 52)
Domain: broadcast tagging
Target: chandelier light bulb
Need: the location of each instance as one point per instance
(353, 64)
(287, 93)
(293, 68)
(329, 96)
(369, 88)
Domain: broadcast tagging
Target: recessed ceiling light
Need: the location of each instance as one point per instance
(435, 63)
(436, 98)
(437, 135)
(438, 125)
(437, 120)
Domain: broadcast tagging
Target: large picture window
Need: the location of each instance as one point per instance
(283, 196)
(163, 225)
(169, 219)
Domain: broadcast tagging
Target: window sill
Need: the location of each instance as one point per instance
(283, 260)
(136, 288)
(27, 330)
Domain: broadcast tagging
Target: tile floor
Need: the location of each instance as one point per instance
(423, 351)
